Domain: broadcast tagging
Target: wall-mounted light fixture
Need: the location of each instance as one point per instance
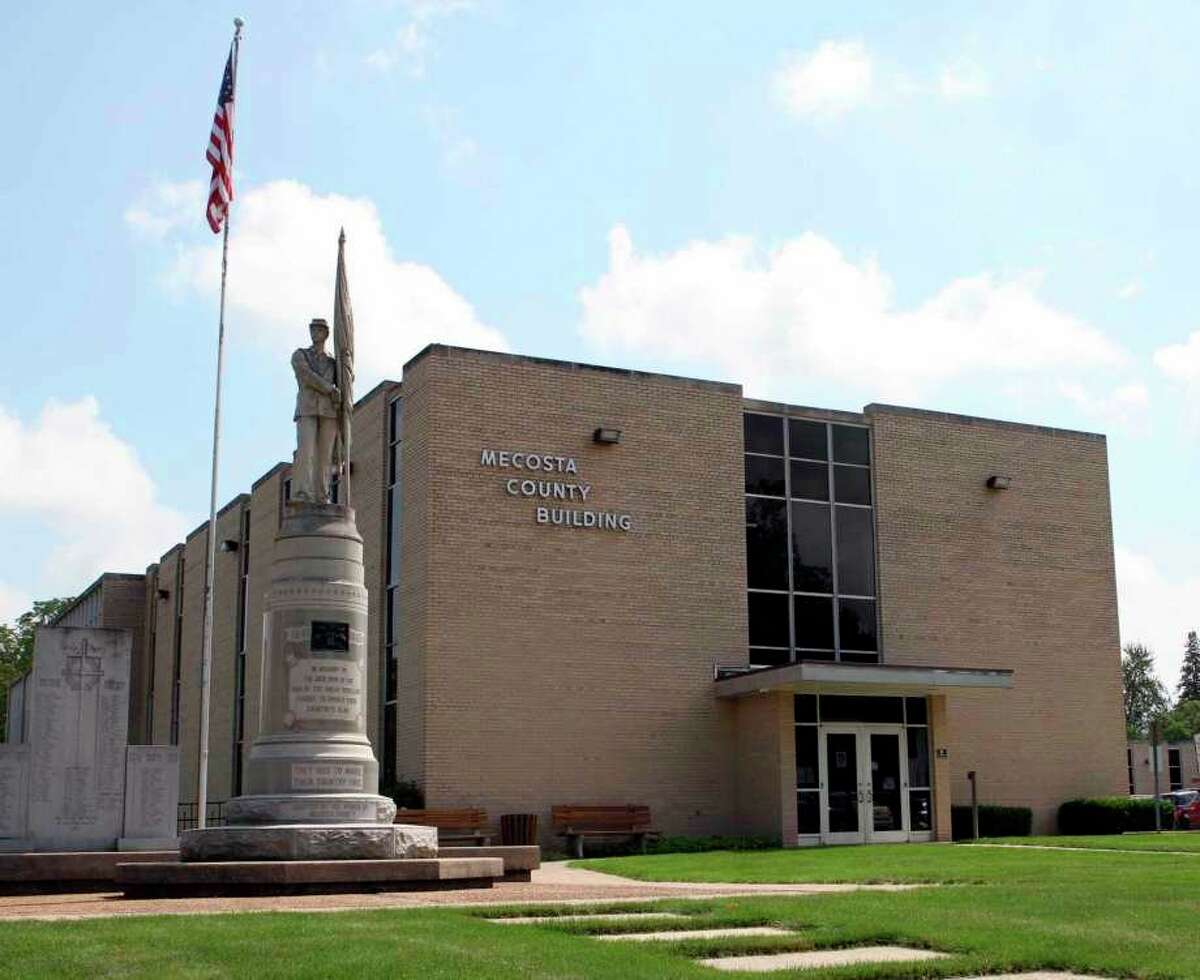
(229, 544)
(999, 482)
(164, 594)
(607, 437)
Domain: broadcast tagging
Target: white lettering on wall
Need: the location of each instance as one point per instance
(545, 489)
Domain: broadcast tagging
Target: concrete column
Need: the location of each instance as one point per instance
(939, 736)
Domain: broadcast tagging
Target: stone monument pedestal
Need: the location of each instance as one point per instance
(311, 817)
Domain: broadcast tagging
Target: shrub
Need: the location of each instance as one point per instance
(1110, 815)
(406, 794)
(994, 821)
(718, 842)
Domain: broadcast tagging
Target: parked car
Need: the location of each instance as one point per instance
(1187, 807)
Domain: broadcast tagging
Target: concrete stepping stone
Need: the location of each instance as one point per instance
(524, 920)
(818, 958)
(681, 934)
(1035, 975)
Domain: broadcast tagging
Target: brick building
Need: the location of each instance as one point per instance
(591, 585)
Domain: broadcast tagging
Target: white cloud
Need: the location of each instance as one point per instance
(803, 310)
(1156, 609)
(283, 250)
(837, 77)
(13, 603)
(828, 82)
(1131, 289)
(962, 80)
(1180, 363)
(1124, 406)
(411, 46)
(166, 207)
(87, 487)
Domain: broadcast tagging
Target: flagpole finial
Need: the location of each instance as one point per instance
(238, 24)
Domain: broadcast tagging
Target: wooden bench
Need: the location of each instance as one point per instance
(576, 823)
(466, 826)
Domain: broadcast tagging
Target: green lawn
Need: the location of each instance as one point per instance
(1129, 914)
(1173, 840)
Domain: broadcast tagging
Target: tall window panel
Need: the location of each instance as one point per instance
(810, 541)
(177, 654)
(388, 685)
(239, 673)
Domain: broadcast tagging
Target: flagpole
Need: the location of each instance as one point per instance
(210, 571)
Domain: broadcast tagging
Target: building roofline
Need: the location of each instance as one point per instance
(571, 365)
(938, 416)
(267, 475)
(383, 385)
(241, 498)
(783, 408)
(99, 581)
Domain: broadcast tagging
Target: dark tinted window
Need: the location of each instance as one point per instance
(804, 707)
(851, 485)
(764, 474)
(812, 552)
(851, 445)
(916, 713)
(918, 757)
(763, 434)
(806, 757)
(807, 440)
(809, 480)
(768, 620)
(882, 711)
(856, 623)
(808, 813)
(766, 543)
(769, 658)
(814, 622)
(856, 551)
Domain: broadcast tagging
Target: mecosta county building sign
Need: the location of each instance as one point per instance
(550, 479)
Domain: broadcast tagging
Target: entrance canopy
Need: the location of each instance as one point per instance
(811, 675)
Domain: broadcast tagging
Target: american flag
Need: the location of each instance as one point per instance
(220, 152)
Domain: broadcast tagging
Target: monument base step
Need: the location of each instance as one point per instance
(309, 842)
(167, 879)
(519, 859)
(64, 872)
(148, 844)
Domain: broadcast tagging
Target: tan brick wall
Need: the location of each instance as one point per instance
(1021, 579)
(123, 606)
(570, 665)
(164, 645)
(1143, 767)
(368, 497)
(765, 766)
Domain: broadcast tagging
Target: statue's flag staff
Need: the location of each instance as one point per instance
(220, 198)
(343, 352)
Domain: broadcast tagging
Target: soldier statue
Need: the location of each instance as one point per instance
(318, 406)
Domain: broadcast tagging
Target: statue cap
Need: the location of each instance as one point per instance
(318, 321)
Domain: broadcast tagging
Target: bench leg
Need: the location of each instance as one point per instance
(579, 846)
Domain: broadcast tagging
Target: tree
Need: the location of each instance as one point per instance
(1189, 673)
(1144, 694)
(1182, 722)
(16, 646)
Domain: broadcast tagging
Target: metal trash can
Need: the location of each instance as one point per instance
(518, 828)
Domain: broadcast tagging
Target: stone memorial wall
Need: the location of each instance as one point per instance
(14, 797)
(151, 797)
(77, 703)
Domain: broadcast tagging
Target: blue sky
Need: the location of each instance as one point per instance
(982, 208)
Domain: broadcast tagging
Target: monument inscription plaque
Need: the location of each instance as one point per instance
(151, 798)
(14, 797)
(77, 705)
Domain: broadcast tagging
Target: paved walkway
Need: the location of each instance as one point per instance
(1100, 850)
(553, 883)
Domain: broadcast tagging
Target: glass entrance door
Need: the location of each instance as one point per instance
(863, 785)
